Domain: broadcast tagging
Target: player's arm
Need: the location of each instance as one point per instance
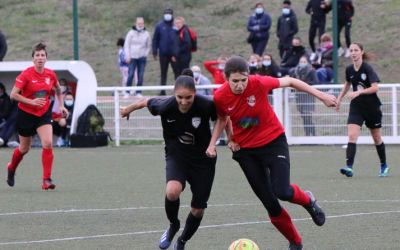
(344, 91)
(16, 96)
(60, 97)
(371, 90)
(218, 127)
(141, 103)
(327, 99)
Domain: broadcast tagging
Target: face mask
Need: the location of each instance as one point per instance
(221, 66)
(68, 103)
(259, 10)
(196, 75)
(63, 89)
(167, 17)
(139, 29)
(266, 63)
(286, 11)
(303, 65)
(252, 65)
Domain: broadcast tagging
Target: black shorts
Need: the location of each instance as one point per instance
(200, 176)
(372, 116)
(27, 124)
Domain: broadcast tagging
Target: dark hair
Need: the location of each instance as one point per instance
(187, 72)
(185, 81)
(367, 56)
(2, 87)
(235, 64)
(287, 2)
(38, 47)
(121, 42)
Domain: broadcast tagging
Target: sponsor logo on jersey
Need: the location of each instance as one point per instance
(251, 100)
(196, 122)
(248, 122)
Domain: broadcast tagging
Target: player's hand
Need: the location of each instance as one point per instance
(233, 146)
(211, 151)
(329, 100)
(338, 106)
(353, 95)
(124, 112)
(39, 102)
(64, 112)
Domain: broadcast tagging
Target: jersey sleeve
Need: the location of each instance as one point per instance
(157, 105)
(21, 81)
(268, 83)
(372, 76)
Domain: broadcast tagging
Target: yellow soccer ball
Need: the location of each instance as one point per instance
(243, 244)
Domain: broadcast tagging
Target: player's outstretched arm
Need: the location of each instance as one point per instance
(344, 91)
(328, 99)
(218, 127)
(141, 103)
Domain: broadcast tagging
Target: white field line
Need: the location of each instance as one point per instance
(160, 231)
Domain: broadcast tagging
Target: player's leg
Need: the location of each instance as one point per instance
(354, 124)
(18, 155)
(45, 133)
(374, 123)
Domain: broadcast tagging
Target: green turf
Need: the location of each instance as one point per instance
(117, 195)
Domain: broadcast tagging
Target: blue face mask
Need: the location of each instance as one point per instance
(303, 65)
(285, 11)
(167, 17)
(267, 63)
(259, 10)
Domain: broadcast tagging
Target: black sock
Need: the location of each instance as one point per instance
(350, 154)
(172, 209)
(381, 152)
(191, 226)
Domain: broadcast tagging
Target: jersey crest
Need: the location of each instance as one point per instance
(196, 122)
(363, 76)
(251, 100)
(47, 80)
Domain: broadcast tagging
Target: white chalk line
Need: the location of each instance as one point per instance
(89, 210)
(161, 231)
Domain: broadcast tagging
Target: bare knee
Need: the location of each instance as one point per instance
(24, 149)
(47, 144)
(173, 190)
(197, 212)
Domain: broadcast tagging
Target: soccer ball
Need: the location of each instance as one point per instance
(243, 244)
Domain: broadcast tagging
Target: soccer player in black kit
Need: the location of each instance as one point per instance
(365, 106)
(185, 119)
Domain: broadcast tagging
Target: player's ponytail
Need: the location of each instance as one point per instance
(367, 56)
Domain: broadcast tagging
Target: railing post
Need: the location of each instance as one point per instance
(116, 118)
(394, 110)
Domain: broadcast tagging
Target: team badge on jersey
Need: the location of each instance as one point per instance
(47, 80)
(251, 100)
(363, 76)
(196, 122)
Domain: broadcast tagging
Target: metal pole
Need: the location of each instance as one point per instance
(335, 41)
(76, 40)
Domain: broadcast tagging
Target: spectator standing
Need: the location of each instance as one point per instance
(137, 47)
(269, 67)
(345, 18)
(3, 46)
(292, 57)
(258, 25)
(304, 101)
(183, 45)
(200, 79)
(163, 46)
(122, 63)
(317, 9)
(286, 28)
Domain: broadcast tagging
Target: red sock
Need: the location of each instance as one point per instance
(299, 196)
(284, 224)
(47, 162)
(15, 160)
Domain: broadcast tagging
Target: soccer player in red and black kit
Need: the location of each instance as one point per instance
(32, 90)
(365, 106)
(259, 143)
(185, 120)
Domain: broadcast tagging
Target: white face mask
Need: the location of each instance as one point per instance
(286, 11)
(69, 103)
(221, 66)
(196, 75)
(266, 63)
(303, 65)
(253, 65)
(167, 17)
(259, 10)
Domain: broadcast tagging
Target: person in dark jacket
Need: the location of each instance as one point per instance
(163, 45)
(345, 16)
(304, 101)
(182, 45)
(258, 25)
(317, 9)
(286, 28)
(292, 57)
(3, 46)
(5, 104)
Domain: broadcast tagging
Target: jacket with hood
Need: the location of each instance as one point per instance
(137, 43)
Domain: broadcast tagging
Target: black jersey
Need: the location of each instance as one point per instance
(185, 134)
(362, 79)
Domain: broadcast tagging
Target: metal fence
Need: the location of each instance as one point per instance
(315, 124)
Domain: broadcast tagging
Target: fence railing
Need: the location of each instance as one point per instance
(306, 120)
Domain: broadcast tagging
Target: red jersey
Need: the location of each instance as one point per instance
(253, 119)
(35, 85)
(217, 74)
